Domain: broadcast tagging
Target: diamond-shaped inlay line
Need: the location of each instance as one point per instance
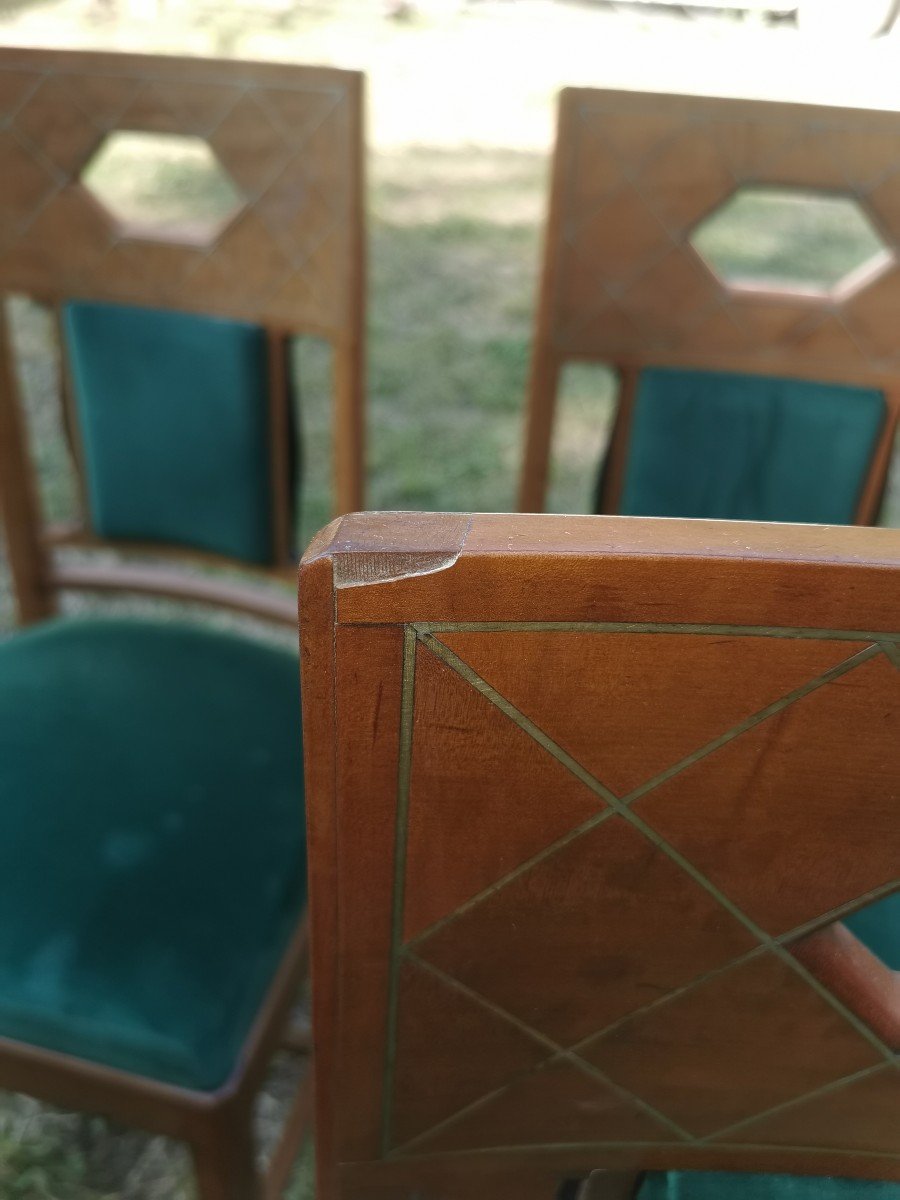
(56, 126)
(438, 1024)
(549, 1053)
(818, 785)
(605, 926)
(530, 728)
(646, 701)
(558, 1103)
(26, 183)
(469, 741)
(574, 1052)
(761, 1000)
(737, 1045)
(860, 1115)
(813, 987)
(677, 858)
(574, 1055)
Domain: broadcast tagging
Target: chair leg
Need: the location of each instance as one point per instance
(611, 1185)
(225, 1161)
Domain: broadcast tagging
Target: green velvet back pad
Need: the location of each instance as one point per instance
(174, 418)
(748, 448)
(152, 841)
(715, 1185)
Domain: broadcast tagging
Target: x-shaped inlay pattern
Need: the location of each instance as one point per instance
(653, 816)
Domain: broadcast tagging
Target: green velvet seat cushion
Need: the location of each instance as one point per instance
(738, 447)
(174, 420)
(715, 1185)
(152, 846)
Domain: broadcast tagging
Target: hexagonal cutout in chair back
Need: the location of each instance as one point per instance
(163, 187)
(785, 240)
(726, 235)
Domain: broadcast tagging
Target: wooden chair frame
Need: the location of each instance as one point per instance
(408, 735)
(622, 284)
(216, 1125)
(291, 258)
(56, 242)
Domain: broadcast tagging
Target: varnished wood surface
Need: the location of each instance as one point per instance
(634, 174)
(594, 795)
(287, 135)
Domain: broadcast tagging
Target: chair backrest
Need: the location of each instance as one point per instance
(722, 254)
(588, 797)
(176, 311)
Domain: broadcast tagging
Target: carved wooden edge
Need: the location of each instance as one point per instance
(317, 654)
(381, 547)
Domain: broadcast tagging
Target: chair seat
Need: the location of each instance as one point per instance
(714, 1185)
(152, 845)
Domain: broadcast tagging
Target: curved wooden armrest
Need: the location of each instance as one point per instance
(856, 976)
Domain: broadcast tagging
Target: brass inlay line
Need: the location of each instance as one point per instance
(758, 932)
(407, 699)
(784, 939)
(521, 869)
(892, 651)
(600, 1147)
(774, 945)
(462, 668)
(446, 655)
(826, 1089)
(483, 1002)
(558, 1054)
(770, 710)
(660, 1001)
(773, 631)
(665, 847)
(842, 910)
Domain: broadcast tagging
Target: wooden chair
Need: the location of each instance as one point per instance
(746, 391)
(594, 805)
(152, 857)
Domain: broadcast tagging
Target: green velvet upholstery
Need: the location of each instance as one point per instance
(878, 927)
(174, 421)
(738, 447)
(713, 1185)
(152, 849)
